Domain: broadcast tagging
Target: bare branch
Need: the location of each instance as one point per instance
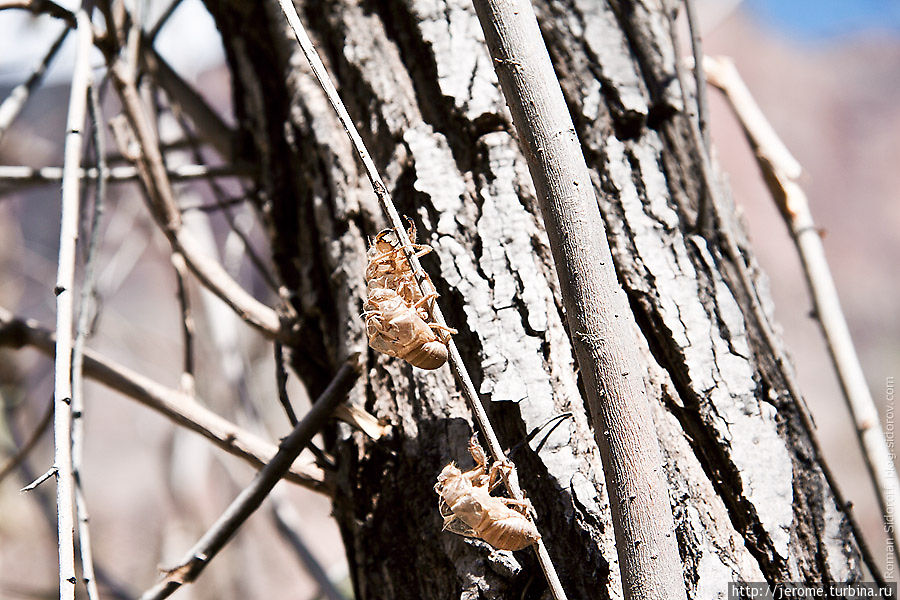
(253, 495)
(64, 290)
(41, 479)
(175, 405)
(780, 172)
(597, 309)
(18, 97)
(457, 367)
(86, 312)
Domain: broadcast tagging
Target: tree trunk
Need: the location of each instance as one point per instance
(750, 498)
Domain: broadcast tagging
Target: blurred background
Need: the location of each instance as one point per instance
(825, 72)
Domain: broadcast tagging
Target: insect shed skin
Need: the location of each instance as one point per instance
(469, 509)
(397, 321)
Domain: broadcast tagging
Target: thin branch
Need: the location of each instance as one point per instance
(253, 495)
(175, 405)
(21, 175)
(18, 97)
(457, 367)
(41, 479)
(161, 198)
(86, 312)
(64, 290)
(26, 447)
(780, 172)
(597, 309)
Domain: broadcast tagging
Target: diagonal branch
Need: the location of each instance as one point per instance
(457, 367)
(597, 309)
(253, 495)
(175, 405)
(780, 171)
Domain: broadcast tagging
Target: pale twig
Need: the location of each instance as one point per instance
(86, 312)
(253, 495)
(21, 175)
(599, 318)
(27, 445)
(161, 198)
(780, 172)
(41, 479)
(427, 288)
(175, 405)
(15, 102)
(64, 290)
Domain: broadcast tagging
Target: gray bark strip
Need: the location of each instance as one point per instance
(418, 83)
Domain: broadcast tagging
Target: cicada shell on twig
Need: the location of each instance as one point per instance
(469, 509)
(398, 322)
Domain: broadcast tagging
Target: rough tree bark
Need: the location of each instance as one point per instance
(750, 498)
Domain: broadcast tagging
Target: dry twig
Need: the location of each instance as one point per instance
(64, 290)
(182, 409)
(597, 309)
(86, 312)
(253, 495)
(780, 172)
(427, 288)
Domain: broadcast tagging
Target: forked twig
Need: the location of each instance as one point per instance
(253, 495)
(780, 172)
(427, 288)
(175, 405)
(64, 290)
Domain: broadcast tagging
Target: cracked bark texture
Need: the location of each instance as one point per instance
(750, 498)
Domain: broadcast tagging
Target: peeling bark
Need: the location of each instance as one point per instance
(749, 496)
